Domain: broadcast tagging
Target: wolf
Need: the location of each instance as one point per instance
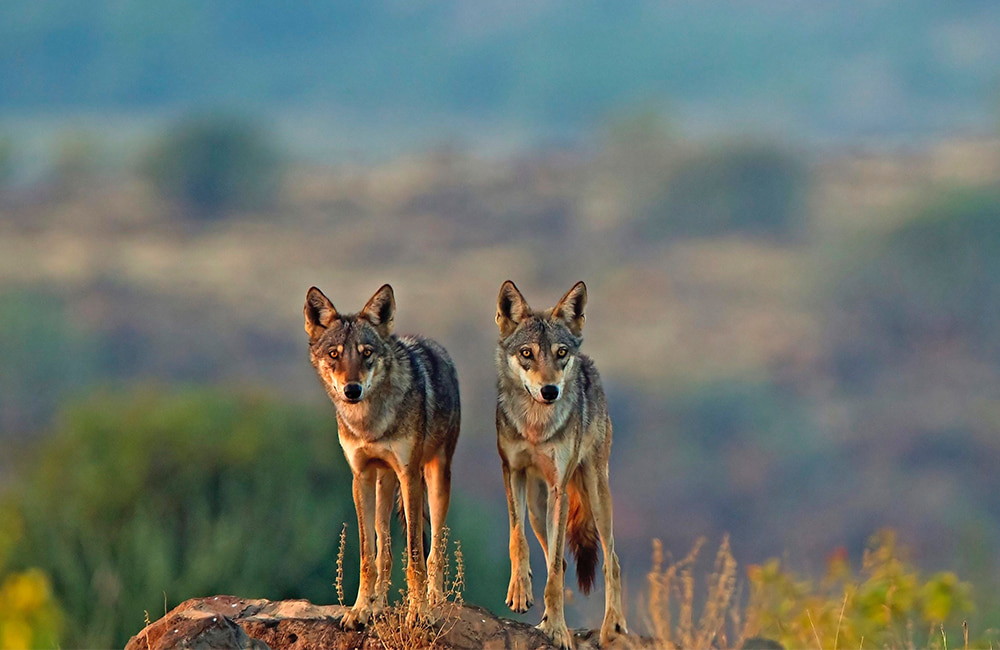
(554, 439)
(398, 419)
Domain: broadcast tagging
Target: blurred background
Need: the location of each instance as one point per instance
(787, 215)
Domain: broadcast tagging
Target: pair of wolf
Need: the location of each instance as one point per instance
(398, 414)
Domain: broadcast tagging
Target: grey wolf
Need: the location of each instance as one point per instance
(398, 416)
(554, 438)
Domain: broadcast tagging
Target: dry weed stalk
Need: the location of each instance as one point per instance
(674, 588)
(721, 587)
(340, 565)
(840, 620)
(145, 632)
(819, 644)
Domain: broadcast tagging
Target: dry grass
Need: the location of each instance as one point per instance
(676, 621)
(396, 631)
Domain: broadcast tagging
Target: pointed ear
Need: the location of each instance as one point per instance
(319, 312)
(380, 311)
(570, 308)
(512, 308)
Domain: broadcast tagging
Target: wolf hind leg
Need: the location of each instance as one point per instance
(599, 493)
(437, 475)
(385, 495)
(412, 488)
(554, 619)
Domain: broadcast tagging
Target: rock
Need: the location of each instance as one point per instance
(228, 622)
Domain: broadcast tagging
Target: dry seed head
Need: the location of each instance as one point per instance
(340, 565)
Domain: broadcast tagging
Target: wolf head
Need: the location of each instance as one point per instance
(540, 350)
(350, 352)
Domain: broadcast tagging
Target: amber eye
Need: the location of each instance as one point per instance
(367, 352)
(526, 353)
(334, 354)
(561, 352)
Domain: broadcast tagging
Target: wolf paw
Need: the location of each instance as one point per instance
(435, 596)
(519, 593)
(558, 632)
(356, 618)
(613, 627)
(419, 614)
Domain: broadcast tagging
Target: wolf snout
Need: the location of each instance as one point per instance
(550, 392)
(352, 391)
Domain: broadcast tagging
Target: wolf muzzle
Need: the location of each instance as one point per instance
(550, 393)
(352, 391)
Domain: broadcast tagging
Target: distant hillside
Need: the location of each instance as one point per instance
(548, 68)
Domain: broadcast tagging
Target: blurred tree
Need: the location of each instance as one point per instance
(748, 188)
(933, 280)
(212, 165)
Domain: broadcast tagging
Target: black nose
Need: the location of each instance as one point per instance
(550, 392)
(352, 391)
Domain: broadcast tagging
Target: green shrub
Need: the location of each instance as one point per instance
(145, 497)
(747, 188)
(214, 165)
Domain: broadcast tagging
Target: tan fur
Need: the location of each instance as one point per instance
(554, 453)
(401, 430)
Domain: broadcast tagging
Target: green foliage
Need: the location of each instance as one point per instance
(213, 165)
(144, 497)
(748, 188)
(889, 603)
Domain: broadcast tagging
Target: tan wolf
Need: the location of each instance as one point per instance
(554, 438)
(398, 416)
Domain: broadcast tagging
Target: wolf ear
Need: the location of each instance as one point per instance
(380, 311)
(570, 308)
(319, 312)
(512, 308)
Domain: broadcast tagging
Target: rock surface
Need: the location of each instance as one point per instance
(228, 622)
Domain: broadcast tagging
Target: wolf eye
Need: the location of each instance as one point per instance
(561, 352)
(334, 354)
(367, 352)
(526, 353)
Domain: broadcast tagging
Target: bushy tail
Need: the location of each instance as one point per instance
(581, 533)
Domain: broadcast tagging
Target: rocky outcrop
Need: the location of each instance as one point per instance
(228, 622)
